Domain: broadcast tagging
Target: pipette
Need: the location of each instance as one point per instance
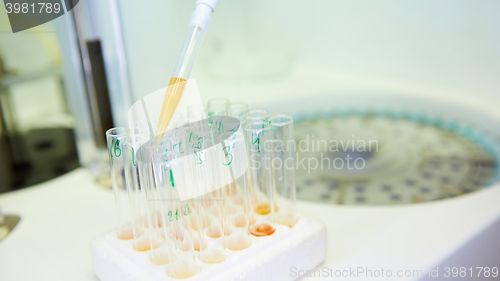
(197, 28)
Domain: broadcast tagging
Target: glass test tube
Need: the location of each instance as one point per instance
(257, 115)
(118, 181)
(237, 109)
(236, 204)
(170, 236)
(177, 142)
(136, 196)
(223, 183)
(163, 235)
(284, 173)
(175, 212)
(217, 106)
(261, 189)
(209, 222)
(177, 146)
(148, 160)
(200, 182)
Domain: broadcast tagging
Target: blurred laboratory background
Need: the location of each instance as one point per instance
(64, 83)
(37, 140)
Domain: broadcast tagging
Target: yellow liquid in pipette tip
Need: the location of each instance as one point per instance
(171, 100)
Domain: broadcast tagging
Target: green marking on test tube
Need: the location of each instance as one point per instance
(201, 161)
(256, 141)
(111, 148)
(117, 148)
(172, 178)
(228, 154)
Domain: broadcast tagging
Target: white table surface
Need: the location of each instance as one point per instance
(62, 216)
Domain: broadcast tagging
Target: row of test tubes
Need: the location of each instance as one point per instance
(235, 165)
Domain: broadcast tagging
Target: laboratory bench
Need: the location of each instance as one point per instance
(61, 217)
